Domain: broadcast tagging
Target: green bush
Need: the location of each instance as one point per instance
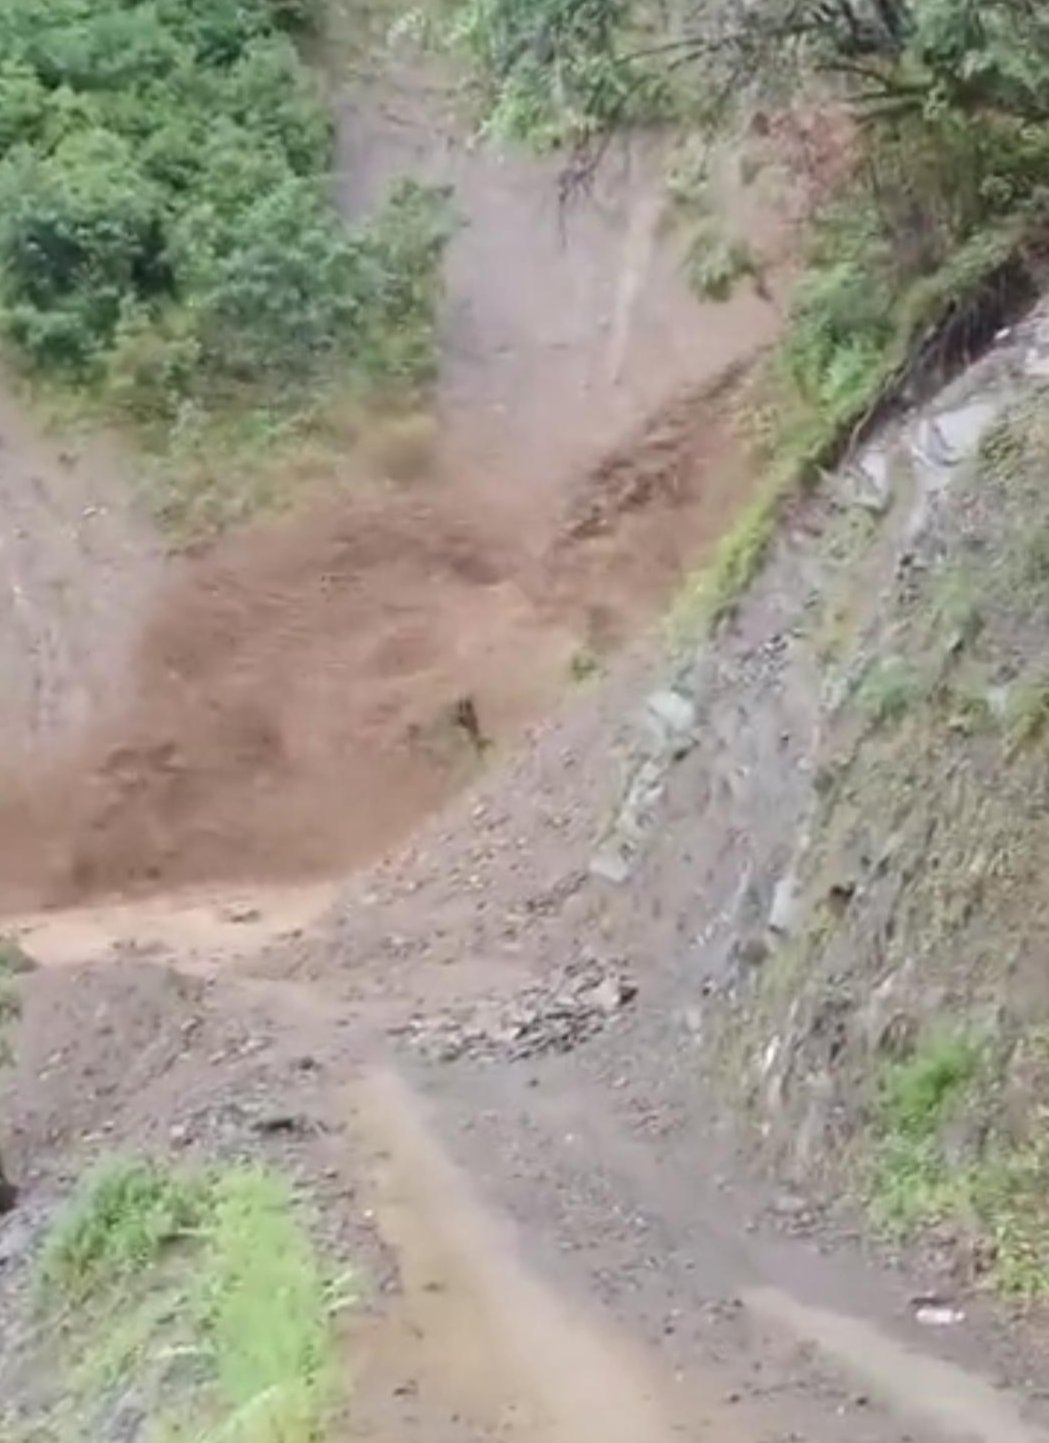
(916, 1093)
(122, 1215)
(166, 225)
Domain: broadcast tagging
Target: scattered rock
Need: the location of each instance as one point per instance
(962, 429)
(670, 715)
(1036, 364)
(613, 992)
(784, 909)
(554, 1015)
(840, 894)
(241, 912)
(127, 1422)
(928, 446)
(8, 1192)
(280, 1122)
(938, 1315)
(611, 864)
(17, 1235)
(790, 1205)
(748, 953)
(871, 481)
(886, 1024)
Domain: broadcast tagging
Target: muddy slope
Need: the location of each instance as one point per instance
(282, 703)
(292, 704)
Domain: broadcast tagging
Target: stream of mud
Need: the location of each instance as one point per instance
(286, 703)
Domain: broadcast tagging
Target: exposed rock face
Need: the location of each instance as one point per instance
(913, 904)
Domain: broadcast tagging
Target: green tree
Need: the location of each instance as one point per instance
(271, 281)
(166, 223)
(81, 230)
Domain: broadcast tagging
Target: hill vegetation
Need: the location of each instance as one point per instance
(167, 230)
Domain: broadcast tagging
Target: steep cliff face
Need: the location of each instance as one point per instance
(886, 1013)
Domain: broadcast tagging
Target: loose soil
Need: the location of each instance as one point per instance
(292, 703)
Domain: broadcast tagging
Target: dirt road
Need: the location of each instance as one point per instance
(543, 1254)
(552, 1244)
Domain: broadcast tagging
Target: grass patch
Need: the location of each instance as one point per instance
(13, 962)
(584, 665)
(888, 690)
(958, 605)
(968, 707)
(1027, 714)
(200, 1295)
(917, 1092)
(711, 594)
(264, 1315)
(121, 1219)
(912, 1182)
(995, 1191)
(14, 959)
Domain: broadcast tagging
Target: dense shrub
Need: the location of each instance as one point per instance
(165, 217)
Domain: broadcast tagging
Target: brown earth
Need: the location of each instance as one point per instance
(291, 705)
(289, 701)
(285, 704)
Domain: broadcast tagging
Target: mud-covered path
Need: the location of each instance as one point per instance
(542, 1252)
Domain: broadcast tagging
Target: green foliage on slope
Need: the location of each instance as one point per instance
(166, 226)
(198, 1294)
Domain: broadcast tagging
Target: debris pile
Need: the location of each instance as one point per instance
(553, 1015)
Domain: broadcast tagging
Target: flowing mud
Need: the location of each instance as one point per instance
(292, 700)
(300, 695)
